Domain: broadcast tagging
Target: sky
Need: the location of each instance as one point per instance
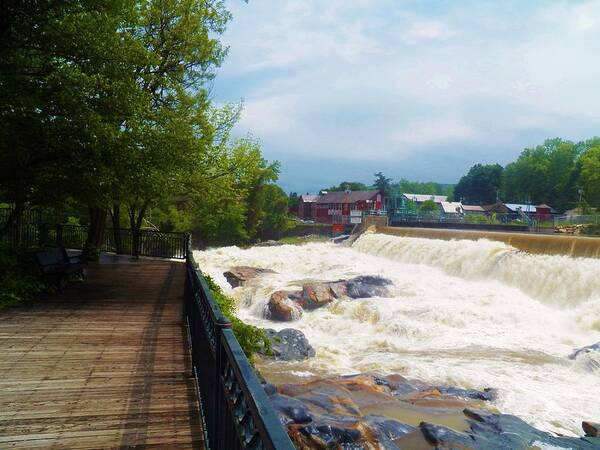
(337, 90)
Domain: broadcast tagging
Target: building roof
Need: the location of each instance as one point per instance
(424, 197)
(523, 207)
(307, 198)
(452, 207)
(476, 208)
(347, 197)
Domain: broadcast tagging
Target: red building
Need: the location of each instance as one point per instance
(306, 206)
(337, 207)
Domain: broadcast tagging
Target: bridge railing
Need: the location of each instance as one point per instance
(236, 412)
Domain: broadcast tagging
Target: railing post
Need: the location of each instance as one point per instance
(59, 235)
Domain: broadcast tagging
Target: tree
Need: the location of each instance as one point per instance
(590, 175)
(293, 200)
(276, 218)
(481, 185)
(382, 183)
(65, 86)
(428, 207)
(347, 186)
(544, 174)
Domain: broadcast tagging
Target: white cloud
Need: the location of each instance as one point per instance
(429, 29)
(432, 131)
(388, 79)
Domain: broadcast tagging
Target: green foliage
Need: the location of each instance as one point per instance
(481, 185)
(382, 183)
(348, 186)
(544, 174)
(428, 206)
(590, 175)
(252, 339)
(293, 199)
(416, 187)
(16, 284)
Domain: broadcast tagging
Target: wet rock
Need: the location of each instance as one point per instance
(446, 437)
(389, 428)
(289, 345)
(487, 394)
(290, 410)
(288, 305)
(282, 307)
(583, 350)
(501, 431)
(367, 287)
(240, 275)
(591, 429)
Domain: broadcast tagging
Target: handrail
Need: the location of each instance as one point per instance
(236, 412)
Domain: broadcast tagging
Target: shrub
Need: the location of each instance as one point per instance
(252, 339)
(16, 283)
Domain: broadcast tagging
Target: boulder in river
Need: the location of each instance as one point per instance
(239, 275)
(288, 305)
(591, 429)
(289, 344)
(282, 307)
(587, 349)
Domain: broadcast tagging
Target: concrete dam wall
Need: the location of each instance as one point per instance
(575, 246)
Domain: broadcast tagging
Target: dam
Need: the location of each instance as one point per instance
(549, 244)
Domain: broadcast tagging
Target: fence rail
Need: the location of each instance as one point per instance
(236, 411)
(29, 233)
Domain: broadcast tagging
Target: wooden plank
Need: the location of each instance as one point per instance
(104, 365)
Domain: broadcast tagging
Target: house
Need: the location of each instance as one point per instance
(473, 209)
(419, 199)
(306, 206)
(541, 212)
(339, 207)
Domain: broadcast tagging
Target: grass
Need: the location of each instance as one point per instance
(299, 240)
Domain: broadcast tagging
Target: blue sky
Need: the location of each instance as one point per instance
(339, 89)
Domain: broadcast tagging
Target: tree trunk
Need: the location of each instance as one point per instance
(95, 236)
(135, 223)
(116, 221)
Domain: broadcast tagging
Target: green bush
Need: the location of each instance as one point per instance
(252, 339)
(17, 284)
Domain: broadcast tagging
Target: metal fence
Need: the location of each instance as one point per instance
(236, 412)
(28, 233)
(577, 220)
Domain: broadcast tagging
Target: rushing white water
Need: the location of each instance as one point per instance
(467, 313)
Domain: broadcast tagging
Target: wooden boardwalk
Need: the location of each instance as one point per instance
(103, 365)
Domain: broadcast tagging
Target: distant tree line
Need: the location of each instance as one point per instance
(105, 110)
(560, 173)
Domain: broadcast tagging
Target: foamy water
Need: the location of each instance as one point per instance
(474, 314)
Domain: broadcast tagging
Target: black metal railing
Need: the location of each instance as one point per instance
(26, 234)
(236, 412)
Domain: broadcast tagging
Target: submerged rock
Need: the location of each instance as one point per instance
(239, 275)
(583, 350)
(289, 345)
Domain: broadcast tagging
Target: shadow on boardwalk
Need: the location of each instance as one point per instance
(104, 365)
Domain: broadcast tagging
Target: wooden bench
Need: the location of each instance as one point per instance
(57, 264)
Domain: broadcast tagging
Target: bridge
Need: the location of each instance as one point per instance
(136, 356)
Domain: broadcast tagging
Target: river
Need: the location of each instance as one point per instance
(473, 314)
